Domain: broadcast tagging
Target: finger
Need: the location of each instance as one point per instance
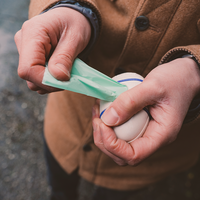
(98, 136)
(32, 62)
(63, 56)
(73, 40)
(33, 52)
(95, 110)
(117, 147)
(17, 39)
(42, 91)
(32, 86)
(128, 104)
(155, 137)
(98, 140)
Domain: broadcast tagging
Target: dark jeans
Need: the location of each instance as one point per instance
(71, 187)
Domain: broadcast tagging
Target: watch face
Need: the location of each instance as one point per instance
(192, 57)
(187, 56)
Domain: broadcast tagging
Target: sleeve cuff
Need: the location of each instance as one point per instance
(89, 14)
(179, 52)
(194, 109)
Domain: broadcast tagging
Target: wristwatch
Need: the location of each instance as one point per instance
(192, 57)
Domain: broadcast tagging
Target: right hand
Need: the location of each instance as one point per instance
(58, 36)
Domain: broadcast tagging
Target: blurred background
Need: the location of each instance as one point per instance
(22, 165)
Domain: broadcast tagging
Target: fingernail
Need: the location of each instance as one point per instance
(110, 117)
(62, 68)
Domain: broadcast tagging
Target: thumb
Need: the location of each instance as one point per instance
(73, 38)
(128, 104)
(61, 61)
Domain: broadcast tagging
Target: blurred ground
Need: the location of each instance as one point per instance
(22, 166)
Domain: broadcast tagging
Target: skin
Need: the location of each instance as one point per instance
(167, 90)
(53, 36)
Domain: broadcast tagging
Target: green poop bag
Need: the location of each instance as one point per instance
(88, 81)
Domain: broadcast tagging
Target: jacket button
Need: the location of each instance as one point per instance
(142, 23)
(87, 148)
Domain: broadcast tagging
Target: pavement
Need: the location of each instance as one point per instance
(22, 165)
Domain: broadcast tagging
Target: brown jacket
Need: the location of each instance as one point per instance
(174, 26)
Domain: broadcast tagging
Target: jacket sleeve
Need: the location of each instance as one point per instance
(178, 52)
(89, 14)
(87, 9)
(38, 6)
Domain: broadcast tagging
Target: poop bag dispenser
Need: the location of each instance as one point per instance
(88, 81)
(137, 124)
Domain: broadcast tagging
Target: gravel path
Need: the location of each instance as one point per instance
(22, 167)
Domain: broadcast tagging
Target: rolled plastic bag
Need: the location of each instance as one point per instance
(88, 81)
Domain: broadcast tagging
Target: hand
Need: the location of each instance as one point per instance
(58, 35)
(168, 91)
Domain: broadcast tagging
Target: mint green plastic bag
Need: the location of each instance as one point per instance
(88, 81)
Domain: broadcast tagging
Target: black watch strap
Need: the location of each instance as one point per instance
(192, 57)
(88, 12)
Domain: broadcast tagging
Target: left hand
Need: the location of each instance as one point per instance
(168, 91)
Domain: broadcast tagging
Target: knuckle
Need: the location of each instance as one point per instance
(115, 146)
(31, 23)
(129, 101)
(25, 25)
(35, 28)
(135, 158)
(134, 161)
(65, 58)
(32, 86)
(97, 143)
(153, 85)
(22, 73)
(17, 37)
(126, 101)
(111, 144)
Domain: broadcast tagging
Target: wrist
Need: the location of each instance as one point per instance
(194, 70)
(194, 108)
(90, 15)
(190, 56)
